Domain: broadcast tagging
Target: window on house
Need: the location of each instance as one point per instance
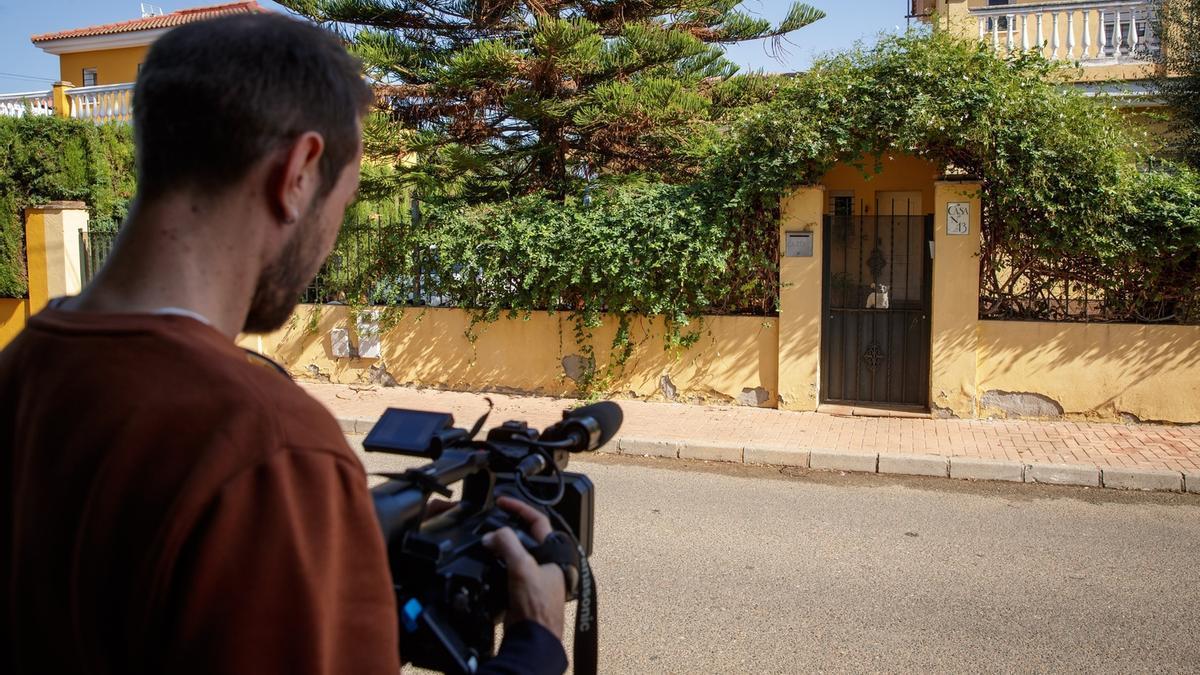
(89, 77)
(841, 207)
(921, 8)
(841, 204)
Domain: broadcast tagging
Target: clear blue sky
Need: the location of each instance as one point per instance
(24, 67)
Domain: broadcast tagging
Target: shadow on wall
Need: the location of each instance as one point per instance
(733, 361)
(1111, 372)
(799, 347)
(1103, 372)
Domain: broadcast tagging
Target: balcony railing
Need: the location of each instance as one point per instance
(1089, 33)
(32, 103)
(107, 103)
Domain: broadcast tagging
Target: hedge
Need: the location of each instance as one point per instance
(44, 159)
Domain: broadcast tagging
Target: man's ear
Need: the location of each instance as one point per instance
(296, 180)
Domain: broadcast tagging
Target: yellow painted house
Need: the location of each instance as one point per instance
(99, 64)
(1107, 40)
(111, 54)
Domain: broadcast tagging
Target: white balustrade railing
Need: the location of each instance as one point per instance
(32, 103)
(106, 103)
(1090, 33)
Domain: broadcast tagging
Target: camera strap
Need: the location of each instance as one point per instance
(587, 638)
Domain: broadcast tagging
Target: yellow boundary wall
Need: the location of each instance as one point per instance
(52, 250)
(1111, 372)
(1103, 372)
(13, 313)
(734, 360)
(1106, 372)
(52, 262)
(1031, 370)
(977, 368)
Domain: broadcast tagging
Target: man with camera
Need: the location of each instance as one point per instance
(174, 504)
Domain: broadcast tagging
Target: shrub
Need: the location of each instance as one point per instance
(45, 159)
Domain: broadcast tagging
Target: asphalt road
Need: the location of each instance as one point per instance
(710, 568)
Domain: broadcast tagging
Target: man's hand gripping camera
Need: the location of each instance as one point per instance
(451, 589)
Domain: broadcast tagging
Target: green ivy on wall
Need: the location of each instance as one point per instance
(1059, 172)
(1064, 192)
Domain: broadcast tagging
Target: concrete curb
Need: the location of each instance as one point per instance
(712, 453)
(840, 460)
(1143, 479)
(348, 425)
(648, 448)
(973, 468)
(961, 468)
(1063, 474)
(915, 465)
(763, 454)
(357, 425)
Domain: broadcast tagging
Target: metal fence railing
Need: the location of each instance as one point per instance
(1035, 289)
(376, 264)
(371, 263)
(94, 248)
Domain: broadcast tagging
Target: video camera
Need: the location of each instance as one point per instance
(451, 591)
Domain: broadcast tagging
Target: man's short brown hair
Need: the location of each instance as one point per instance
(215, 97)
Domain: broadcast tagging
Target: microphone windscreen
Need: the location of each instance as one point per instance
(607, 414)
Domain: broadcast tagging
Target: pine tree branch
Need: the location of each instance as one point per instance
(513, 96)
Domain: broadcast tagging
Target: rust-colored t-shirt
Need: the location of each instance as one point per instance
(170, 507)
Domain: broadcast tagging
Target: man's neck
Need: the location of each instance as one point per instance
(180, 254)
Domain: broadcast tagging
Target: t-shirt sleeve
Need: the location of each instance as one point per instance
(285, 573)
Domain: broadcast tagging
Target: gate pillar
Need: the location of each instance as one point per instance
(52, 251)
(955, 320)
(800, 301)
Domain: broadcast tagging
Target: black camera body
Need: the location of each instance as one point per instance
(451, 591)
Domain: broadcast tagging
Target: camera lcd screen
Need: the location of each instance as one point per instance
(406, 431)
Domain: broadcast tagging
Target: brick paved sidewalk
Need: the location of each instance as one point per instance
(1173, 448)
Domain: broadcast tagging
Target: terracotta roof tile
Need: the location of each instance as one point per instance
(171, 20)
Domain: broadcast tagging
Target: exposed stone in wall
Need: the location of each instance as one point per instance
(380, 376)
(942, 413)
(314, 371)
(669, 390)
(1022, 404)
(1129, 418)
(575, 366)
(756, 396)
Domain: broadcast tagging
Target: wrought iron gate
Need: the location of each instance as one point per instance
(878, 275)
(94, 248)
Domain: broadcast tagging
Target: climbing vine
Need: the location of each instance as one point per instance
(1067, 204)
(1060, 174)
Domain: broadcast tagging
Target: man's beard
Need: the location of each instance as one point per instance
(284, 279)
